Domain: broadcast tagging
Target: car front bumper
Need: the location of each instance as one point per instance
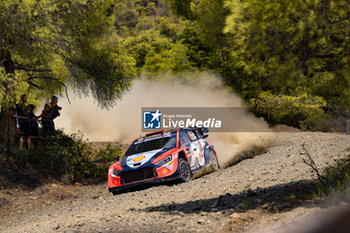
(144, 182)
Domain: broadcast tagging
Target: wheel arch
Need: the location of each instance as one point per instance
(183, 155)
(207, 150)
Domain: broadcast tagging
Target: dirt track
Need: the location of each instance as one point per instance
(258, 194)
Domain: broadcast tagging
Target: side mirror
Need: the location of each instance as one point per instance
(205, 130)
(117, 157)
(205, 136)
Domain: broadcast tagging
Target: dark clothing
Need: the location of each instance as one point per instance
(49, 113)
(34, 127)
(34, 132)
(21, 108)
(33, 122)
(24, 124)
(48, 126)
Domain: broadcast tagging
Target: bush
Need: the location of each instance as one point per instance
(105, 157)
(301, 111)
(68, 157)
(335, 182)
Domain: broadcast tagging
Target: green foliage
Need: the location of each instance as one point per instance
(299, 46)
(300, 111)
(47, 43)
(210, 16)
(130, 16)
(208, 47)
(197, 53)
(294, 48)
(106, 157)
(154, 53)
(168, 27)
(335, 182)
(68, 157)
(182, 8)
(150, 37)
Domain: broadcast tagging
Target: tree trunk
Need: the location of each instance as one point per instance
(9, 124)
(8, 99)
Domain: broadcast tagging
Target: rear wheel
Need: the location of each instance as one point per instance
(185, 171)
(214, 160)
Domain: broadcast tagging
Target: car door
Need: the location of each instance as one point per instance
(197, 148)
(193, 150)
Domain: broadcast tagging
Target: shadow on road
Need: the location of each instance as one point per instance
(147, 186)
(29, 178)
(281, 197)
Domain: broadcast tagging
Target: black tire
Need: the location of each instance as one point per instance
(214, 160)
(185, 170)
(115, 193)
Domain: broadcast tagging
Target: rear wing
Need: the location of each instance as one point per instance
(154, 133)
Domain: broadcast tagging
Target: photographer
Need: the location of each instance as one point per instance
(50, 112)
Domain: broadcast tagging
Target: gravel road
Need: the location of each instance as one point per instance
(257, 194)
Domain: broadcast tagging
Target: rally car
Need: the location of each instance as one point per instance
(163, 156)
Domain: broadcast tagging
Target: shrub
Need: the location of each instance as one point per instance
(301, 111)
(68, 157)
(105, 157)
(335, 182)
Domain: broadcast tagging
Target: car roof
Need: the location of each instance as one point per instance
(167, 131)
(160, 132)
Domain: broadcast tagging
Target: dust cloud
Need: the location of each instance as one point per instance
(122, 122)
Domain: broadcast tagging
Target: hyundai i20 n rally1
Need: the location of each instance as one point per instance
(163, 156)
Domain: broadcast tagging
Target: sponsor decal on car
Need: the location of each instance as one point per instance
(137, 159)
(153, 137)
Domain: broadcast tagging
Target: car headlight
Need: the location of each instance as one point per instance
(116, 172)
(164, 161)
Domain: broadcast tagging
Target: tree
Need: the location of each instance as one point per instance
(210, 16)
(198, 53)
(182, 8)
(297, 46)
(155, 53)
(45, 44)
(207, 18)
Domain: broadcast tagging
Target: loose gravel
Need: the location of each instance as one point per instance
(248, 196)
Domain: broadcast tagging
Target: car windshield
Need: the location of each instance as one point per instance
(156, 142)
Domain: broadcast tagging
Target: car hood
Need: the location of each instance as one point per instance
(137, 160)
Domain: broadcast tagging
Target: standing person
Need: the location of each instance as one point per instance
(34, 128)
(50, 112)
(23, 121)
(21, 106)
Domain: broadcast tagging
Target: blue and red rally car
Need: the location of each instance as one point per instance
(163, 156)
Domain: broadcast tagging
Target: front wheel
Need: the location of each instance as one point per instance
(214, 160)
(185, 171)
